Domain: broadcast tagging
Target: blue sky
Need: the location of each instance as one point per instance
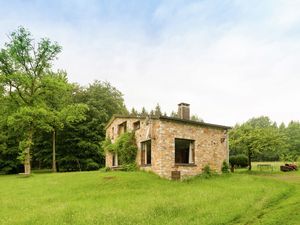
(231, 60)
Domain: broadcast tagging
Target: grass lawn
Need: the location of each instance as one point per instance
(143, 198)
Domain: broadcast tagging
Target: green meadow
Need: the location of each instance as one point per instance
(143, 198)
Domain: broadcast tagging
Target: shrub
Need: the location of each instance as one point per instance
(91, 165)
(289, 157)
(239, 160)
(206, 172)
(225, 167)
(125, 147)
(105, 169)
(129, 167)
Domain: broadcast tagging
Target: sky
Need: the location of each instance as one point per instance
(231, 60)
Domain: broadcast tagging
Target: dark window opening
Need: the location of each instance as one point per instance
(112, 133)
(122, 128)
(136, 125)
(184, 151)
(115, 160)
(146, 153)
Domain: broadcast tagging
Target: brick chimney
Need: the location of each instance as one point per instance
(184, 111)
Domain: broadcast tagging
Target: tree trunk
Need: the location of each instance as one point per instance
(78, 163)
(27, 166)
(54, 151)
(249, 162)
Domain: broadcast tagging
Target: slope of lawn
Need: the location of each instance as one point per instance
(143, 198)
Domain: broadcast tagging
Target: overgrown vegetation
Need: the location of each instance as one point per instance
(225, 167)
(126, 149)
(206, 172)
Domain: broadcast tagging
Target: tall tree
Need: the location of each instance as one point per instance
(196, 118)
(63, 110)
(79, 145)
(144, 112)
(292, 132)
(157, 110)
(256, 136)
(173, 114)
(24, 69)
(134, 112)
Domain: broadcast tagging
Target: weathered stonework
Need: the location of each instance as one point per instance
(210, 144)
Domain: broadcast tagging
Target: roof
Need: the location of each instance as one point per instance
(172, 119)
(122, 116)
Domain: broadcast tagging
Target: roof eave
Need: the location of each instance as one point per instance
(195, 122)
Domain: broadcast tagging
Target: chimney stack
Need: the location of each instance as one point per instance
(184, 111)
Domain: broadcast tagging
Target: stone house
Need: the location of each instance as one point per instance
(173, 148)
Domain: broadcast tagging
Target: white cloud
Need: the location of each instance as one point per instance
(241, 64)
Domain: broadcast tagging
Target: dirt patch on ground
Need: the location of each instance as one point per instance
(109, 178)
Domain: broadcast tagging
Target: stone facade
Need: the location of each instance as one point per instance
(208, 144)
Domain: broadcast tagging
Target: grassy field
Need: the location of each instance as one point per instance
(143, 198)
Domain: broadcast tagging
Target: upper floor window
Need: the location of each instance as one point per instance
(184, 151)
(112, 133)
(122, 128)
(136, 125)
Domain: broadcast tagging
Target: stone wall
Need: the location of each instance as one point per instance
(144, 133)
(211, 145)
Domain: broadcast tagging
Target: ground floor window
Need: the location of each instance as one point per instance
(184, 151)
(146, 152)
(115, 160)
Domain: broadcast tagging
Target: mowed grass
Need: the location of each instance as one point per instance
(144, 198)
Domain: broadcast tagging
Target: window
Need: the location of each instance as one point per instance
(146, 153)
(112, 133)
(136, 125)
(184, 151)
(115, 160)
(122, 128)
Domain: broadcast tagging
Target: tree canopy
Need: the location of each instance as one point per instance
(39, 104)
(256, 137)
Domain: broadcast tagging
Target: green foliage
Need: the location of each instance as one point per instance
(107, 145)
(196, 118)
(134, 112)
(25, 69)
(206, 172)
(225, 167)
(83, 117)
(157, 111)
(129, 167)
(107, 169)
(256, 136)
(36, 102)
(124, 146)
(292, 132)
(239, 160)
(91, 165)
(289, 156)
(174, 114)
(144, 112)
